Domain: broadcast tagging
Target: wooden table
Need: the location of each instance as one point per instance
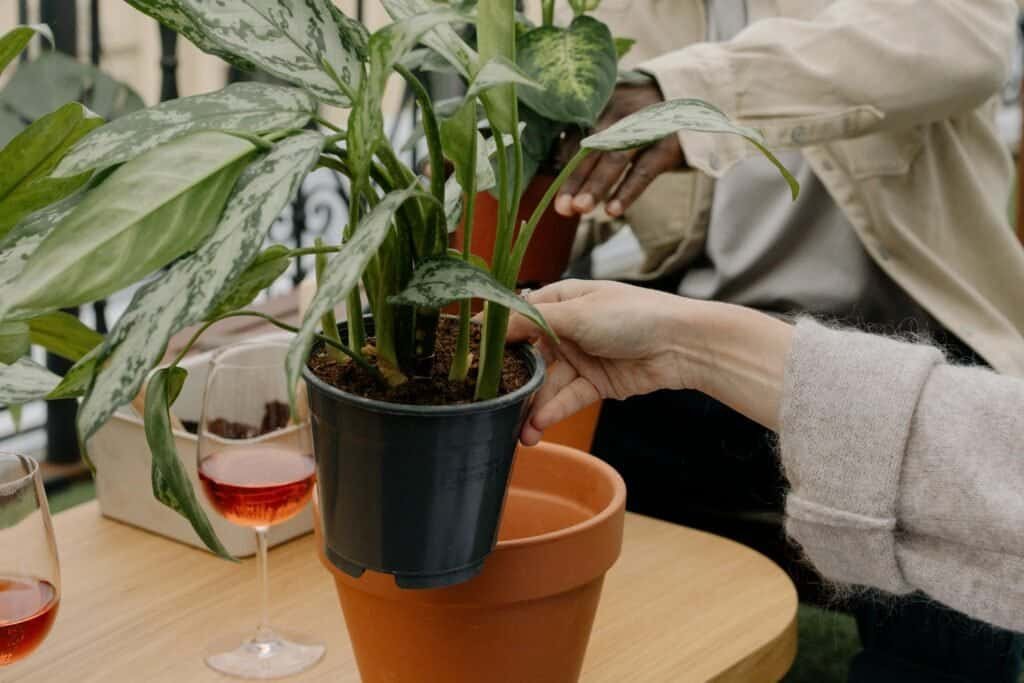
(680, 605)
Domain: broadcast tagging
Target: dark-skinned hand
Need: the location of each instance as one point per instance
(598, 177)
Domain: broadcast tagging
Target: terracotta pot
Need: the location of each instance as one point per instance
(548, 254)
(526, 618)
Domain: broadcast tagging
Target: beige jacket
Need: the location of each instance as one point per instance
(905, 472)
(892, 103)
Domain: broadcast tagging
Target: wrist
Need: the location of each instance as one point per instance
(733, 354)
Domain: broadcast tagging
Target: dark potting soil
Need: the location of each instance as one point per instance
(436, 389)
(275, 416)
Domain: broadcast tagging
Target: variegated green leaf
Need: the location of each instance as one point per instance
(147, 213)
(24, 381)
(64, 334)
(28, 159)
(247, 107)
(14, 341)
(439, 282)
(666, 118)
(261, 273)
(76, 381)
(185, 293)
(15, 40)
(173, 15)
(296, 40)
(576, 67)
(498, 71)
(14, 410)
(496, 37)
(343, 273)
(443, 40)
(26, 237)
(171, 484)
(353, 34)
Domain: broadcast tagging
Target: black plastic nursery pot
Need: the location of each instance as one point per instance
(414, 491)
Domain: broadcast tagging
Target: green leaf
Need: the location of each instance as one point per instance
(15, 411)
(343, 273)
(26, 237)
(665, 118)
(64, 334)
(623, 46)
(497, 71)
(24, 381)
(26, 163)
(171, 485)
(353, 34)
(576, 67)
(248, 107)
(76, 381)
(539, 136)
(147, 213)
(438, 282)
(298, 41)
(261, 273)
(15, 40)
(443, 39)
(581, 6)
(173, 15)
(186, 292)
(14, 341)
(54, 79)
(496, 37)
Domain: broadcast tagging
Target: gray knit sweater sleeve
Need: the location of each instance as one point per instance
(906, 473)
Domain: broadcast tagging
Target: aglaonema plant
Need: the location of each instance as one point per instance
(179, 197)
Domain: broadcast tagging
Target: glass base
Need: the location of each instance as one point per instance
(266, 655)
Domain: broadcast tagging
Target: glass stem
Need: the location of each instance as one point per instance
(263, 632)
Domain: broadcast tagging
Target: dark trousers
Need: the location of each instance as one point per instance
(691, 460)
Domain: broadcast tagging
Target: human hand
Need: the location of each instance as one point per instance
(597, 176)
(616, 341)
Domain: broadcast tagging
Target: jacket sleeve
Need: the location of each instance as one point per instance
(906, 472)
(856, 67)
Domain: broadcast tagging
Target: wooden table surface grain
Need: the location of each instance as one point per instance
(679, 606)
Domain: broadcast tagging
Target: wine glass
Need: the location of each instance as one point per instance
(29, 572)
(256, 467)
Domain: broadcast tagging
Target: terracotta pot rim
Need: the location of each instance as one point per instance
(617, 501)
(528, 351)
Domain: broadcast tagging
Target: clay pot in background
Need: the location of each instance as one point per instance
(528, 615)
(547, 257)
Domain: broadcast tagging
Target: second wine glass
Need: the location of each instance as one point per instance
(257, 469)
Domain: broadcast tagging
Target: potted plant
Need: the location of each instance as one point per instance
(415, 416)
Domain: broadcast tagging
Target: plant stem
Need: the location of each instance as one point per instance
(433, 136)
(306, 251)
(548, 10)
(327, 124)
(461, 360)
(526, 233)
(328, 322)
(280, 325)
(354, 303)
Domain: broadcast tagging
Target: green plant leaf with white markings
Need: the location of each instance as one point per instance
(438, 282)
(296, 40)
(24, 381)
(666, 118)
(147, 213)
(76, 381)
(185, 294)
(576, 67)
(171, 484)
(353, 34)
(343, 273)
(14, 341)
(20, 242)
(496, 38)
(15, 40)
(246, 107)
(64, 334)
(261, 273)
(28, 159)
(498, 71)
(174, 15)
(443, 39)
